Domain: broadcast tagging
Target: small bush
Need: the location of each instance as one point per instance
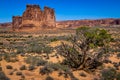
(1, 43)
(49, 68)
(47, 49)
(9, 67)
(45, 70)
(35, 61)
(3, 76)
(118, 55)
(0, 68)
(83, 74)
(23, 67)
(18, 73)
(108, 74)
(118, 76)
(0, 57)
(31, 67)
(20, 49)
(54, 39)
(23, 77)
(11, 73)
(34, 48)
(49, 78)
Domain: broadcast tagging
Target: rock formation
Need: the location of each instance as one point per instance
(92, 23)
(34, 17)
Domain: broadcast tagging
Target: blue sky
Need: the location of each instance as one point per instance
(65, 9)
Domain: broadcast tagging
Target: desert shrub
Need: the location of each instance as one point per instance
(45, 70)
(1, 43)
(118, 76)
(49, 68)
(35, 61)
(23, 67)
(10, 57)
(47, 49)
(83, 74)
(108, 74)
(20, 49)
(29, 36)
(49, 78)
(9, 67)
(31, 67)
(11, 73)
(107, 61)
(55, 67)
(34, 48)
(18, 73)
(6, 57)
(54, 39)
(116, 65)
(3, 76)
(23, 77)
(118, 55)
(0, 68)
(41, 62)
(1, 57)
(78, 55)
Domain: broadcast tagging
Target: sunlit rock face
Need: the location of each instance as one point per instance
(34, 17)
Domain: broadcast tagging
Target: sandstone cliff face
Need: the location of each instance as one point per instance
(17, 20)
(34, 17)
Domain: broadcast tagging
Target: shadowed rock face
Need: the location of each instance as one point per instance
(34, 17)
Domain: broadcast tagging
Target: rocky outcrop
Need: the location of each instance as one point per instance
(34, 17)
(6, 25)
(91, 23)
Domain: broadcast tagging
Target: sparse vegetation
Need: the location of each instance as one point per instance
(39, 52)
(35, 61)
(108, 74)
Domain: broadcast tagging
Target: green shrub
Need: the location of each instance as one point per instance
(77, 54)
(108, 74)
(53, 39)
(34, 48)
(35, 61)
(20, 49)
(50, 67)
(118, 55)
(31, 67)
(23, 67)
(47, 49)
(10, 57)
(118, 76)
(45, 70)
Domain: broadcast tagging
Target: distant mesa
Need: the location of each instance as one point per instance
(35, 18)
